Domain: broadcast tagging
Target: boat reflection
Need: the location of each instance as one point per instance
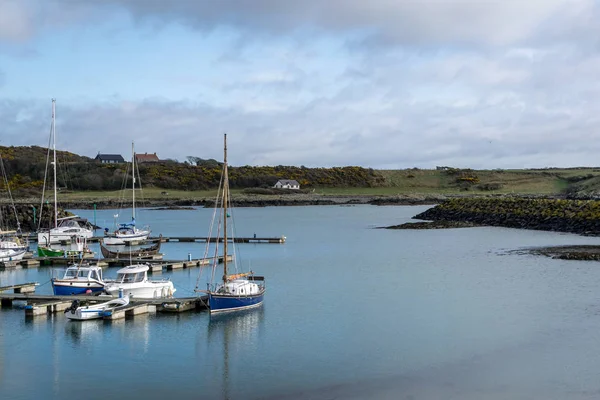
(238, 334)
(135, 331)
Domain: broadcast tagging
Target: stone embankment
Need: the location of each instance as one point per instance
(562, 215)
(28, 216)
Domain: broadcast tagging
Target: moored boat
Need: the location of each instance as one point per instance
(93, 311)
(79, 279)
(133, 281)
(128, 233)
(238, 291)
(134, 253)
(64, 228)
(11, 254)
(79, 249)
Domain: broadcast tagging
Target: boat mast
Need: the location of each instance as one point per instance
(133, 184)
(225, 199)
(54, 160)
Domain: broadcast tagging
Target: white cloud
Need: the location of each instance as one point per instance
(473, 84)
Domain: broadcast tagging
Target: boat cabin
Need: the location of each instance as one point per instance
(78, 272)
(132, 274)
(74, 223)
(239, 287)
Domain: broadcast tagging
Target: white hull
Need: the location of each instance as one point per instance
(145, 290)
(95, 311)
(116, 239)
(54, 237)
(11, 255)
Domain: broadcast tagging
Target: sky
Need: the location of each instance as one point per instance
(384, 84)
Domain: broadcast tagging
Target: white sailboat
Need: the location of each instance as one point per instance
(238, 291)
(12, 247)
(64, 228)
(128, 233)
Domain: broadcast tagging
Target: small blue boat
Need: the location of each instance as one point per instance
(79, 279)
(239, 291)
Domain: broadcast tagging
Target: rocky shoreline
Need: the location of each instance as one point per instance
(246, 200)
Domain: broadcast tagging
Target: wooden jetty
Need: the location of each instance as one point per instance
(156, 263)
(44, 305)
(187, 239)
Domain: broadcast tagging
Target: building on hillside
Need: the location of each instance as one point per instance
(109, 158)
(144, 158)
(287, 184)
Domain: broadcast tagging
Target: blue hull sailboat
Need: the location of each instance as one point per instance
(238, 291)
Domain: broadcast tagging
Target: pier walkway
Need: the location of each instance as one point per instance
(156, 263)
(187, 239)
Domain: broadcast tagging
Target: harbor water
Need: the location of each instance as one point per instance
(350, 312)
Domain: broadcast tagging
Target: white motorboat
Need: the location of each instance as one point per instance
(134, 282)
(94, 311)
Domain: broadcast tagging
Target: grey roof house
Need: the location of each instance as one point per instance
(109, 158)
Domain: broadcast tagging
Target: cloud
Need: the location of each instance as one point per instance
(528, 121)
(406, 22)
(395, 22)
(493, 84)
(16, 20)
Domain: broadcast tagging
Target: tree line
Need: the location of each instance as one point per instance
(26, 168)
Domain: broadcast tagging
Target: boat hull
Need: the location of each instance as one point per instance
(95, 311)
(224, 302)
(49, 252)
(116, 239)
(146, 290)
(11, 255)
(67, 288)
(59, 237)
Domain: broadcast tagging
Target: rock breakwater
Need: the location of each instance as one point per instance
(562, 215)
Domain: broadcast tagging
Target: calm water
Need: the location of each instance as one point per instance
(350, 312)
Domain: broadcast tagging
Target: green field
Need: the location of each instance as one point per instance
(408, 182)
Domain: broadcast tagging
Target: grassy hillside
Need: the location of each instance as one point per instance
(81, 178)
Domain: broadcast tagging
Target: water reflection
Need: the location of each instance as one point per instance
(88, 333)
(83, 331)
(237, 334)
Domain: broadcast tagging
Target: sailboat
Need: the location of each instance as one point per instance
(11, 245)
(64, 228)
(128, 233)
(238, 291)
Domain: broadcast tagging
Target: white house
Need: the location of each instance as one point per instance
(287, 184)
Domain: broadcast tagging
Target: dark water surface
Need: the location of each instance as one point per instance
(350, 312)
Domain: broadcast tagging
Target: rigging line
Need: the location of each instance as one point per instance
(45, 178)
(139, 181)
(210, 231)
(233, 233)
(12, 202)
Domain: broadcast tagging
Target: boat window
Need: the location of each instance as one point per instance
(139, 277)
(121, 278)
(94, 275)
(71, 273)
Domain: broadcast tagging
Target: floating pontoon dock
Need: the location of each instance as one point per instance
(188, 239)
(156, 264)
